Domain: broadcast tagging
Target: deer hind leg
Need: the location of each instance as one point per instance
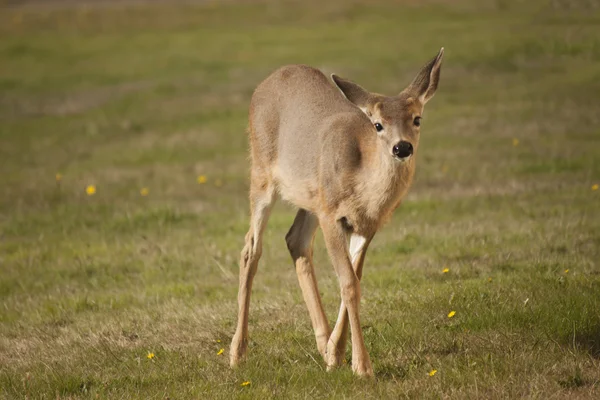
(336, 345)
(299, 240)
(262, 197)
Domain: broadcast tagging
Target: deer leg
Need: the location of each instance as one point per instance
(261, 201)
(300, 241)
(337, 246)
(336, 345)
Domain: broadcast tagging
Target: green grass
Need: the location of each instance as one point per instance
(132, 95)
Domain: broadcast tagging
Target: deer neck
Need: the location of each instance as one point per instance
(388, 181)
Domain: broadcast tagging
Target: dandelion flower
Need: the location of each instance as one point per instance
(515, 142)
(90, 190)
(220, 352)
(218, 340)
(446, 270)
(567, 271)
(432, 372)
(246, 383)
(595, 186)
(144, 191)
(201, 179)
(451, 314)
(150, 356)
(58, 177)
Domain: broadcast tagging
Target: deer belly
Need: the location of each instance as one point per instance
(296, 189)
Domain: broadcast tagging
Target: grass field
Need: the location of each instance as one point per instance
(148, 96)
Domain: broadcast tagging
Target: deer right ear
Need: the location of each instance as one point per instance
(352, 91)
(426, 82)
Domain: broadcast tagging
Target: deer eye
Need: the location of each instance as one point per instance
(378, 126)
(417, 121)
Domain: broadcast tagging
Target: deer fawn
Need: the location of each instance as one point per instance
(346, 158)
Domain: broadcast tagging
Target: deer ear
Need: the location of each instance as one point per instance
(352, 91)
(426, 82)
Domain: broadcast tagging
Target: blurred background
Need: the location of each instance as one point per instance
(123, 200)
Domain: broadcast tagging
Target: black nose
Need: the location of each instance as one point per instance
(403, 149)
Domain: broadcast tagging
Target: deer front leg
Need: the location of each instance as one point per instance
(336, 345)
(336, 241)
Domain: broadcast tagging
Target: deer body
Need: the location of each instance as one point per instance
(345, 158)
(323, 153)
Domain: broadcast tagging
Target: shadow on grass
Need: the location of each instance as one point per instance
(391, 371)
(588, 340)
(573, 381)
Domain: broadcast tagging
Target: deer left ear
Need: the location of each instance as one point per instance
(426, 82)
(352, 91)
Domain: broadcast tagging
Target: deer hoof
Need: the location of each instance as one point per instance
(237, 352)
(363, 369)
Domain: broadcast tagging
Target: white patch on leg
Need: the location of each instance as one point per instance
(357, 243)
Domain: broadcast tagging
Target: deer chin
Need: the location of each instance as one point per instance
(402, 160)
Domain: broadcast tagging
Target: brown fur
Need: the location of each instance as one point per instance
(316, 146)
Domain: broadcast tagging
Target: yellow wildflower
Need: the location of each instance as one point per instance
(144, 191)
(218, 340)
(515, 142)
(446, 270)
(58, 177)
(201, 179)
(595, 186)
(432, 372)
(567, 271)
(451, 314)
(90, 190)
(220, 352)
(150, 356)
(246, 383)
